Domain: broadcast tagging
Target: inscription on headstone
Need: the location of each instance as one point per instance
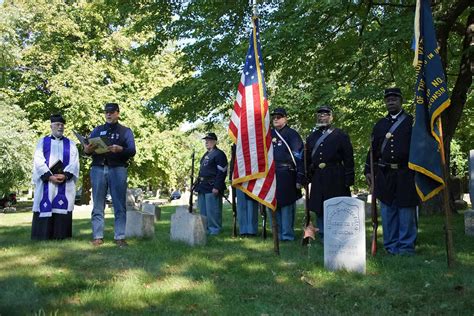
(344, 234)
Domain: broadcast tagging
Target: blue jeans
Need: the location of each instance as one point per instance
(399, 228)
(210, 205)
(247, 214)
(285, 216)
(103, 179)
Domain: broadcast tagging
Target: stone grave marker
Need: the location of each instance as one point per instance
(153, 209)
(344, 234)
(140, 224)
(190, 228)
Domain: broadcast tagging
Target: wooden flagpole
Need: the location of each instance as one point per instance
(448, 230)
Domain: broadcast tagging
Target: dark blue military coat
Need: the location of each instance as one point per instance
(331, 167)
(212, 172)
(394, 181)
(287, 174)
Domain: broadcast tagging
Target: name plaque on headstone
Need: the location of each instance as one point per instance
(344, 234)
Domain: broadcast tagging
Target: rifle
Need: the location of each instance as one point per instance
(192, 183)
(309, 231)
(263, 213)
(234, 193)
(373, 202)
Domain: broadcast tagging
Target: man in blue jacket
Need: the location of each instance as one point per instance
(288, 153)
(109, 172)
(211, 184)
(394, 181)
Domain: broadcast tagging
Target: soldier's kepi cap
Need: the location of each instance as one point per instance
(392, 91)
(57, 118)
(279, 111)
(212, 136)
(324, 109)
(111, 107)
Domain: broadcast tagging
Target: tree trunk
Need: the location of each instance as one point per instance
(86, 187)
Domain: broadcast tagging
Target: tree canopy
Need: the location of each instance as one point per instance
(168, 62)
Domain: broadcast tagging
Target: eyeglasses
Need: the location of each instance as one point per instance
(277, 117)
(324, 114)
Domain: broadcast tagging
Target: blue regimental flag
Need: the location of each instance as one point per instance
(431, 99)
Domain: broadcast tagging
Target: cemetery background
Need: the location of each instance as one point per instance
(227, 276)
(175, 79)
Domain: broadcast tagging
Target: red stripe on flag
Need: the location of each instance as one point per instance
(257, 106)
(236, 171)
(267, 184)
(245, 136)
(233, 129)
(251, 185)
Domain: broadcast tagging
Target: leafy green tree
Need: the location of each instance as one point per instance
(16, 146)
(316, 52)
(72, 57)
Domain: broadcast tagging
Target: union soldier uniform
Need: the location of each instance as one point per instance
(288, 156)
(331, 166)
(212, 174)
(247, 214)
(246, 207)
(394, 181)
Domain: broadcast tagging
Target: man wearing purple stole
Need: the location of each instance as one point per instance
(55, 172)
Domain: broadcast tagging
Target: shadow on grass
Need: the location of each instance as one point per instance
(227, 276)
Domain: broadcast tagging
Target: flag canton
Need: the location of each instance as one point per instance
(253, 62)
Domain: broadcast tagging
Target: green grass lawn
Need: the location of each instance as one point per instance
(226, 277)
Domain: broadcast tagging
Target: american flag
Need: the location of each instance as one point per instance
(249, 128)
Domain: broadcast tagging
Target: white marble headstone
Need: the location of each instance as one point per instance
(344, 234)
(190, 228)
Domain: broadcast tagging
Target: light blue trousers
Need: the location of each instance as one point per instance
(399, 228)
(285, 217)
(247, 214)
(210, 206)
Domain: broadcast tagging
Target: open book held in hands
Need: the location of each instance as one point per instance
(102, 142)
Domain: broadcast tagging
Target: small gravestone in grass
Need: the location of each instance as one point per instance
(139, 224)
(190, 228)
(344, 234)
(153, 209)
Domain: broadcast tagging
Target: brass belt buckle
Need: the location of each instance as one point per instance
(394, 166)
(322, 165)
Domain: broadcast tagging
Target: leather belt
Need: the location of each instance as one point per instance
(394, 166)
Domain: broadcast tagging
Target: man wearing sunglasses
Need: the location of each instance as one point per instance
(288, 155)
